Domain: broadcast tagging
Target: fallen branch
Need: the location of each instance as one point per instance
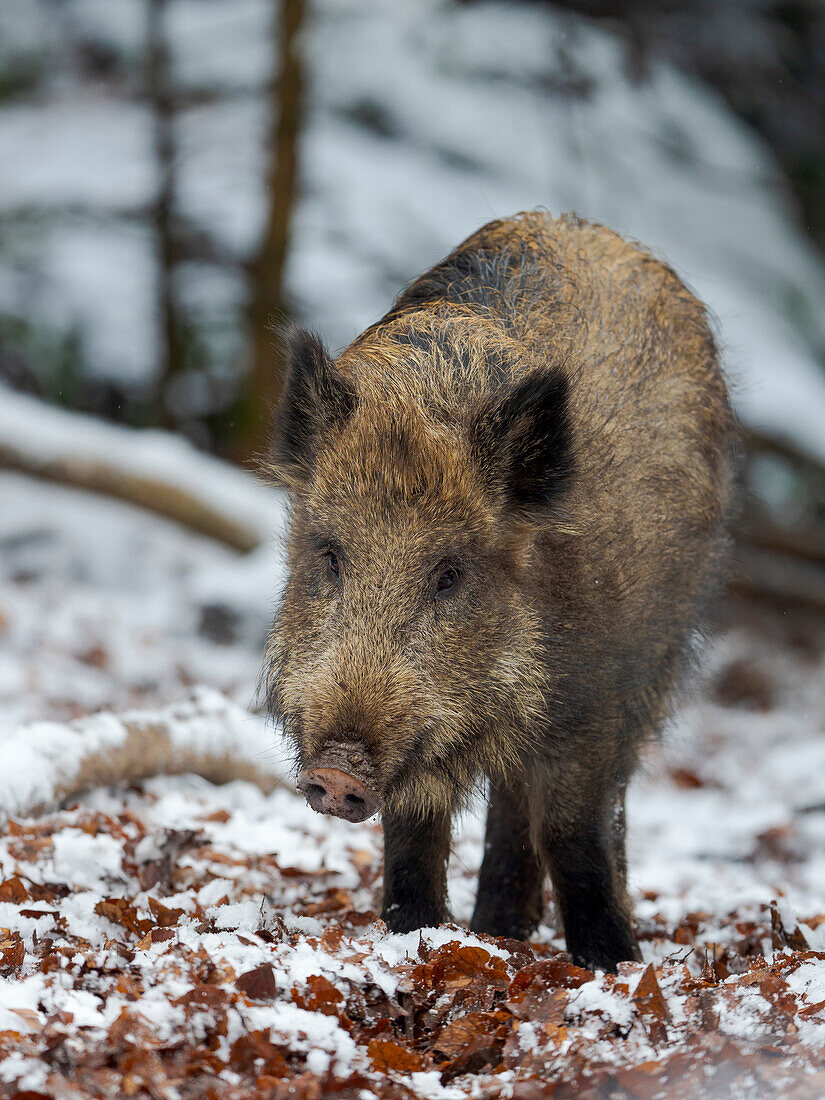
(762, 574)
(781, 562)
(762, 533)
(810, 468)
(46, 763)
(155, 470)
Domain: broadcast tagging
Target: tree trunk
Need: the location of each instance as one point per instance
(268, 306)
(171, 336)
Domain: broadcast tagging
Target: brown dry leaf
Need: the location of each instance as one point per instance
(521, 953)
(648, 998)
(786, 937)
(13, 890)
(455, 966)
(14, 951)
(332, 938)
(161, 871)
(643, 1081)
(255, 1053)
(539, 990)
(219, 816)
(29, 1016)
(96, 656)
(319, 995)
(129, 986)
(685, 779)
(305, 1087)
(120, 911)
(166, 918)
(472, 1042)
(387, 1055)
(157, 935)
(334, 902)
(48, 891)
(776, 991)
(258, 984)
(456, 1035)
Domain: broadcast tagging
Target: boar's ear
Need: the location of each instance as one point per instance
(315, 399)
(522, 440)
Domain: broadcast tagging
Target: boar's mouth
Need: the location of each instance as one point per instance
(340, 781)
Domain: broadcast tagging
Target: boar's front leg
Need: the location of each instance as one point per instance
(588, 880)
(509, 899)
(416, 850)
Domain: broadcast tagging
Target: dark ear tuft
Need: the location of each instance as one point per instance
(315, 399)
(523, 440)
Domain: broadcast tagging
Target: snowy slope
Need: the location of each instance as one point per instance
(424, 121)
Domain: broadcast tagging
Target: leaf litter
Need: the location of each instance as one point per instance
(176, 939)
(208, 970)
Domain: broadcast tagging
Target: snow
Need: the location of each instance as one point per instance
(63, 154)
(84, 861)
(809, 980)
(95, 592)
(745, 833)
(593, 997)
(93, 860)
(710, 205)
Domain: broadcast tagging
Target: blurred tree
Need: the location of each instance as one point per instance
(268, 306)
(161, 100)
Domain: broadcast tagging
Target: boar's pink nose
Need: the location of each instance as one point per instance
(331, 791)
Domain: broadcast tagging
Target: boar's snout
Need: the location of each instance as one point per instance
(331, 791)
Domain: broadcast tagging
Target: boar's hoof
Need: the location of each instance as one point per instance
(331, 791)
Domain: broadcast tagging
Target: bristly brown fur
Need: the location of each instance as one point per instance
(543, 412)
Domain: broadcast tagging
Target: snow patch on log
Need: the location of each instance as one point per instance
(154, 469)
(48, 762)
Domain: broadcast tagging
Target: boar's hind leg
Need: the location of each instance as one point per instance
(416, 851)
(509, 885)
(587, 869)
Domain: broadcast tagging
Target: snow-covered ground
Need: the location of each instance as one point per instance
(424, 121)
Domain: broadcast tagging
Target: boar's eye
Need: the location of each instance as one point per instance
(333, 565)
(446, 582)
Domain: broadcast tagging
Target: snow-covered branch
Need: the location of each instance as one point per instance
(155, 470)
(47, 762)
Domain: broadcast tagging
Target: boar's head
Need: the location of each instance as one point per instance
(407, 657)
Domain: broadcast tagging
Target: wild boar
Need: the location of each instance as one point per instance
(509, 508)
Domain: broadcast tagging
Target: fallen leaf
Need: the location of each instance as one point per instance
(166, 918)
(254, 1052)
(122, 912)
(13, 890)
(318, 995)
(258, 984)
(386, 1055)
(648, 998)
